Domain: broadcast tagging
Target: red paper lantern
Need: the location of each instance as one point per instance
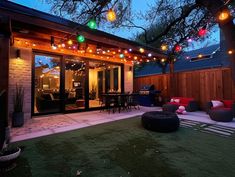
(202, 32)
(178, 48)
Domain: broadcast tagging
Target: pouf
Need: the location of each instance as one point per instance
(221, 115)
(160, 121)
(170, 107)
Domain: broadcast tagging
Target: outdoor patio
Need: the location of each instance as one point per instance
(51, 124)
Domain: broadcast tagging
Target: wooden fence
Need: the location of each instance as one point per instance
(203, 85)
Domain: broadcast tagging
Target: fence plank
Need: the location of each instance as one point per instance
(203, 85)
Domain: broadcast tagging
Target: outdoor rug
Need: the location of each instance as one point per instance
(125, 149)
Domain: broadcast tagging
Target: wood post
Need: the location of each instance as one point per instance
(173, 81)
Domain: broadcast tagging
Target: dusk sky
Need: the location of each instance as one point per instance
(122, 32)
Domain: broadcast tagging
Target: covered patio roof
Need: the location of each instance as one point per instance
(36, 30)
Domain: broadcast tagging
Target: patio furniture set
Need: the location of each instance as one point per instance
(218, 110)
(168, 121)
(119, 101)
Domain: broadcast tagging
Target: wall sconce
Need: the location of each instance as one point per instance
(130, 68)
(18, 54)
(53, 46)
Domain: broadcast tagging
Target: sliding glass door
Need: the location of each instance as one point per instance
(47, 98)
(103, 78)
(71, 83)
(74, 84)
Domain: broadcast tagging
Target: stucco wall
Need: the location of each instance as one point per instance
(20, 72)
(128, 78)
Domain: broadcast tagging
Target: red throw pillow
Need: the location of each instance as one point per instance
(228, 103)
(185, 100)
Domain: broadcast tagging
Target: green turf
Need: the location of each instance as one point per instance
(124, 148)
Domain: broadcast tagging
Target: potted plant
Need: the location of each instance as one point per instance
(18, 102)
(8, 155)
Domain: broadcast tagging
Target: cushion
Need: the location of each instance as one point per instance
(185, 100)
(175, 103)
(221, 108)
(176, 100)
(228, 103)
(217, 103)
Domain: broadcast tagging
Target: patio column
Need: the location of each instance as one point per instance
(5, 33)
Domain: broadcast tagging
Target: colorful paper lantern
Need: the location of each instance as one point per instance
(202, 32)
(178, 48)
(92, 24)
(80, 38)
(111, 15)
(224, 15)
(164, 47)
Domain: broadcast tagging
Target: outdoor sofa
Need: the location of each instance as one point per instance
(221, 110)
(190, 104)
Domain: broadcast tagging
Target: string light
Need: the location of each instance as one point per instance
(230, 52)
(141, 50)
(121, 55)
(202, 31)
(164, 47)
(70, 42)
(200, 56)
(189, 40)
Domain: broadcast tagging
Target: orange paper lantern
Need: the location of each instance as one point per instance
(111, 15)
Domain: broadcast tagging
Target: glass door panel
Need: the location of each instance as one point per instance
(74, 84)
(96, 83)
(47, 84)
(103, 78)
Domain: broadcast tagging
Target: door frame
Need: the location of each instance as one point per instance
(62, 82)
(34, 53)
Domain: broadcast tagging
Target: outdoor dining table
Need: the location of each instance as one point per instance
(116, 101)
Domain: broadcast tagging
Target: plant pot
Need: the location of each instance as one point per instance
(8, 158)
(17, 119)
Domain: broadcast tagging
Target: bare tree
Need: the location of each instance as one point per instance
(178, 19)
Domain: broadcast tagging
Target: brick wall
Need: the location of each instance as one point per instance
(20, 72)
(128, 78)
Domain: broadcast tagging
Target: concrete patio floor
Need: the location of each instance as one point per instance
(57, 123)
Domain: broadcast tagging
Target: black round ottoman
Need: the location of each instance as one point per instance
(221, 115)
(160, 121)
(170, 107)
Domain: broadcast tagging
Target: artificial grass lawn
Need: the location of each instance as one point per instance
(124, 148)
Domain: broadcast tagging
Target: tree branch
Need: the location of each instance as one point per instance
(168, 28)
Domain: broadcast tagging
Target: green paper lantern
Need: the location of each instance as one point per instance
(92, 24)
(80, 38)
